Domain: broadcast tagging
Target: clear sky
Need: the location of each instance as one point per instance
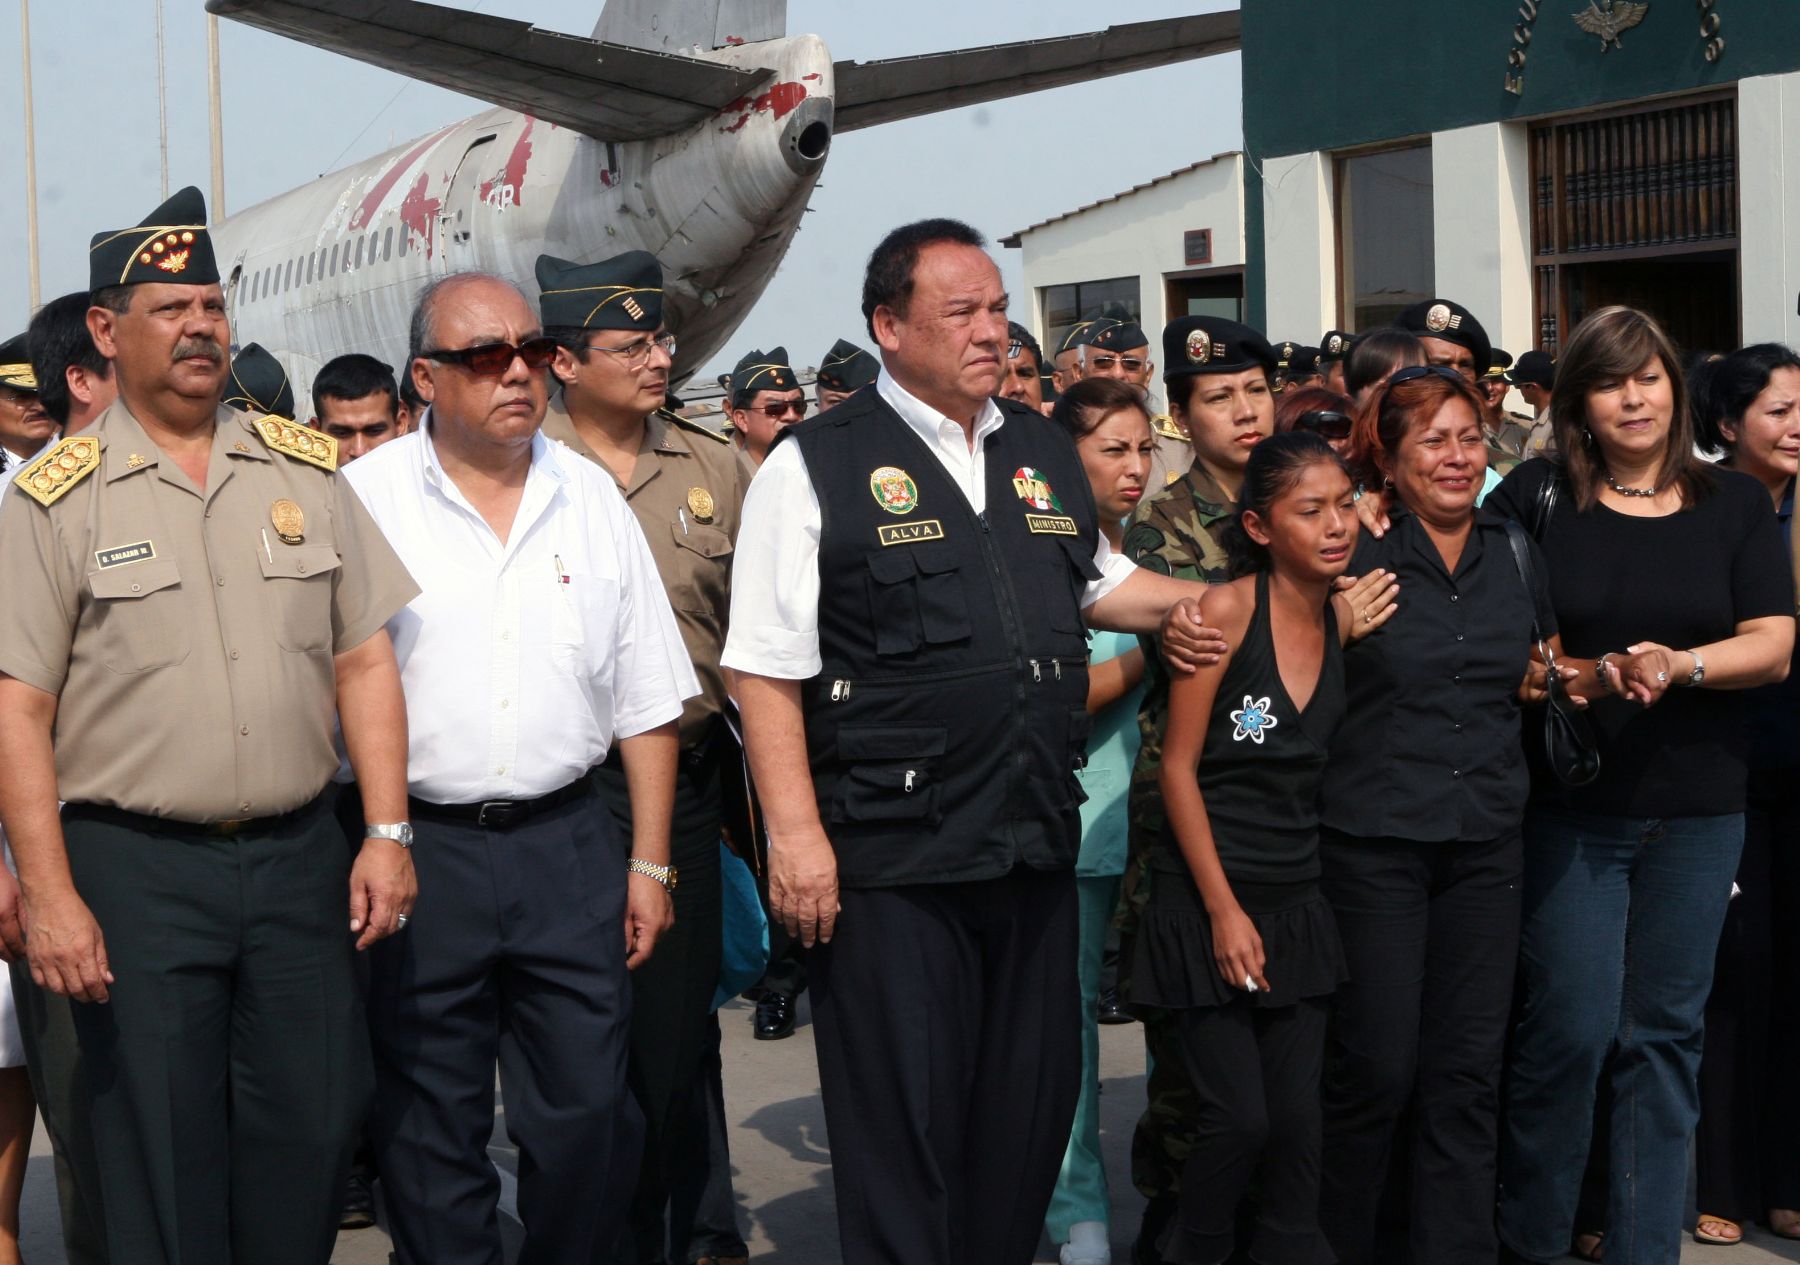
(293, 113)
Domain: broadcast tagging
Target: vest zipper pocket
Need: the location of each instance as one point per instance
(1036, 673)
(911, 775)
(840, 691)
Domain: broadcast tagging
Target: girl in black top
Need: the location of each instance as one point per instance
(1237, 940)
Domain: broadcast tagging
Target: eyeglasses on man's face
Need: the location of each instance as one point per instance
(491, 360)
(779, 409)
(1104, 362)
(635, 355)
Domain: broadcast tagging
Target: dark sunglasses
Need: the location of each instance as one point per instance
(780, 409)
(490, 360)
(1325, 423)
(1133, 364)
(1412, 373)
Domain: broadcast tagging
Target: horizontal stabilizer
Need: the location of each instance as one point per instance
(607, 91)
(884, 91)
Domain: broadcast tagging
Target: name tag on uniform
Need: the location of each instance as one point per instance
(907, 533)
(119, 555)
(1051, 525)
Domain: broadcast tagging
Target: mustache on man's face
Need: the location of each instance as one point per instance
(203, 348)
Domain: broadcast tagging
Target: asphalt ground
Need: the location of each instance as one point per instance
(782, 1166)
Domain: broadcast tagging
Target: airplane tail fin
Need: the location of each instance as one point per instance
(695, 24)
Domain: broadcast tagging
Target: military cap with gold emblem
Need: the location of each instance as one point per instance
(172, 245)
(1450, 323)
(259, 384)
(623, 292)
(1335, 346)
(1211, 344)
(1120, 336)
(847, 367)
(1086, 332)
(15, 366)
(1499, 361)
(763, 371)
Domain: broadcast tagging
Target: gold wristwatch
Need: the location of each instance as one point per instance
(664, 874)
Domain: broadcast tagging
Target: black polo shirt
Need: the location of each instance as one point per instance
(1430, 745)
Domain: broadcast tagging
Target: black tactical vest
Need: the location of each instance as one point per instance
(950, 713)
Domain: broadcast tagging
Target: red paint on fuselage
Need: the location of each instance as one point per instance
(418, 212)
(372, 200)
(783, 99)
(513, 176)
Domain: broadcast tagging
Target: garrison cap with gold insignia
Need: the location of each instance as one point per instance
(1450, 322)
(623, 292)
(15, 366)
(1335, 346)
(1498, 363)
(1120, 336)
(847, 367)
(259, 384)
(1085, 332)
(171, 246)
(1211, 344)
(763, 371)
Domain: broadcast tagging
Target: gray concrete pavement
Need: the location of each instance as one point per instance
(783, 1169)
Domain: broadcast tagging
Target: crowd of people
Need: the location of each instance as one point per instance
(1422, 777)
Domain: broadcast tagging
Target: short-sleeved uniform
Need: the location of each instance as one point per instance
(190, 635)
(1174, 454)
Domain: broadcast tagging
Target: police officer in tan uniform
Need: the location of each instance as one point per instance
(192, 595)
(686, 486)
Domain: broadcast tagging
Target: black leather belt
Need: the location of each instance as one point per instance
(229, 829)
(502, 814)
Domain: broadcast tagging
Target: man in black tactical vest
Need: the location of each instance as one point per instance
(907, 628)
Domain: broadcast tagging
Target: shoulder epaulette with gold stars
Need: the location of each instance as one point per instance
(694, 427)
(302, 443)
(1165, 425)
(60, 469)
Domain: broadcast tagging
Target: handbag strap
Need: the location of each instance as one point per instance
(1521, 552)
(1545, 505)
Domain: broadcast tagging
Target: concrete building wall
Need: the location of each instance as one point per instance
(1139, 234)
(1769, 207)
(1481, 238)
(1299, 246)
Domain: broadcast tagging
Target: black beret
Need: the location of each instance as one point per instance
(15, 366)
(1087, 331)
(171, 245)
(259, 384)
(624, 292)
(1450, 322)
(1297, 359)
(1534, 368)
(1335, 346)
(764, 371)
(847, 367)
(1212, 344)
(1120, 336)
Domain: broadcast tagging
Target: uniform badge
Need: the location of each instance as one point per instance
(633, 308)
(1439, 318)
(1334, 344)
(120, 555)
(289, 521)
(1199, 346)
(894, 490)
(700, 504)
(908, 533)
(1034, 489)
(135, 460)
(60, 469)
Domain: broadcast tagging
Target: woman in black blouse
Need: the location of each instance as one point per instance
(1421, 809)
(1671, 587)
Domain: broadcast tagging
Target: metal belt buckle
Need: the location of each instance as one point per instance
(495, 812)
(226, 829)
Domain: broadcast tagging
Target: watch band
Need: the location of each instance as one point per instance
(400, 832)
(664, 874)
(1699, 673)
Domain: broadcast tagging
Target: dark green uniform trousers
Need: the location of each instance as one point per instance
(47, 1026)
(671, 995)
(222, 1083)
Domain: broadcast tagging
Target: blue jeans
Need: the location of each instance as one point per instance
(1621, 921)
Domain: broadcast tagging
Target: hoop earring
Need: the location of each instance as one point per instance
(1587, 437)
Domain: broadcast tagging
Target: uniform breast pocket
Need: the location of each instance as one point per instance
(916, 599)
(139, 615)
(702, 568)
(297, 580)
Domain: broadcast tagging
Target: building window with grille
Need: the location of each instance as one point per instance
(1063, 305)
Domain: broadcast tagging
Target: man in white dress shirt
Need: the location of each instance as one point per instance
(542, 637)
(906, 626)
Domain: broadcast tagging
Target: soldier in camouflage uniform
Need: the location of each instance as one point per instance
(1217, 375)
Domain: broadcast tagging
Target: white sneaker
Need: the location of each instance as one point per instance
(1087, 1245)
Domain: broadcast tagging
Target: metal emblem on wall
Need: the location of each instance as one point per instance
(1608, 19)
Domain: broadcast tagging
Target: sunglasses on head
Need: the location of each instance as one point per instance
(490, 360)
(1326, 423)
(1412, 373)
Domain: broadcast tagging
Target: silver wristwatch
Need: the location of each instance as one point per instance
(400, 832)
(1699, 673)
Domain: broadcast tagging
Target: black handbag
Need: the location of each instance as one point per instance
(1569, 745)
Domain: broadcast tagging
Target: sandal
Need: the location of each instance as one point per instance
(1725, 1231)
(1784, 1223)
(1589, 1245)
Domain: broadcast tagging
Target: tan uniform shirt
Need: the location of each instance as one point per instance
(191, 648)
(687, 490)
(1173, 457)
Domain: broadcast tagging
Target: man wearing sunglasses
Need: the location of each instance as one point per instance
(685, 486)
(845, 370)
(765, 396)
(541, 642)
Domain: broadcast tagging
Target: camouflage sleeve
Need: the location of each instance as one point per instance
(1155, 541)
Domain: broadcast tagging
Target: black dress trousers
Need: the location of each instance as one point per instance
(222, 1083)
(948, 1027)
(515, 953)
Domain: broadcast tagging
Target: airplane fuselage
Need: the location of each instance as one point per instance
(336, 265)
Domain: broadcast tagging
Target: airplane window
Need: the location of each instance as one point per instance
(287, 282)
(334, 258)
(387, 243)
(310, 256)
(250, 289)
(360, 242)
(403, 243)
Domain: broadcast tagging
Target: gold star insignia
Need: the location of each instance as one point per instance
(134, 460)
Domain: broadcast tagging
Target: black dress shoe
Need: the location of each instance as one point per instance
(774, 1016)
(359, 1204)
(1108, 1010)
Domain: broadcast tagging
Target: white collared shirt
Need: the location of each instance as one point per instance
(775, 568)
(522, 662)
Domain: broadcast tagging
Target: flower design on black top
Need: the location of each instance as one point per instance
(1253, 720)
